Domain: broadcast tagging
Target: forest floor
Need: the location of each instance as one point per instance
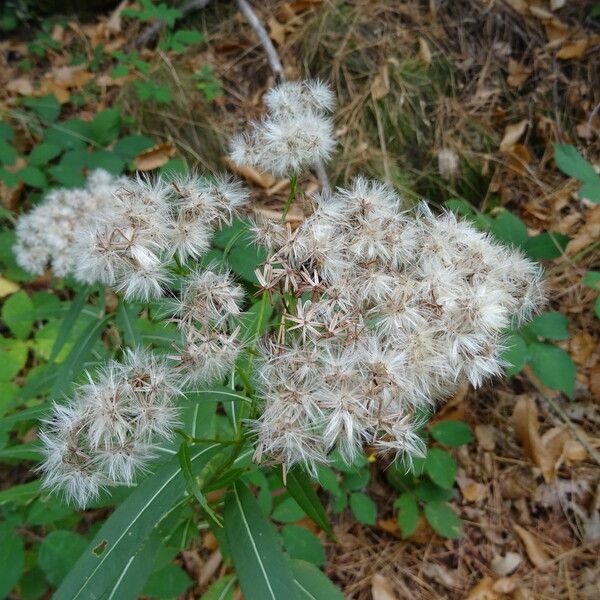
(460, 99)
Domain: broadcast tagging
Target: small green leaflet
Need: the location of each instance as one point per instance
(452, 433)
(572, 163)
(443, 519)
(440, 466)
(408, 513)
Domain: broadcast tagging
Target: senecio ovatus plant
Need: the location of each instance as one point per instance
(387, 309)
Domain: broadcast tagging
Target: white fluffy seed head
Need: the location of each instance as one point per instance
(402, 311)
(110, 429)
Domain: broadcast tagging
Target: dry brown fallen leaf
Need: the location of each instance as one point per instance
(277, 31)
(512, 134)
(535, 551)
(518, 74)
(381, 588)
(154, 157)
(21, 86)
(380, 85)
(424, 52)
(7, 287)
(545, 451)
(264, 180)
(573, 50)
(507, 564)
(581, 347)
(486, 437)
(484, 590)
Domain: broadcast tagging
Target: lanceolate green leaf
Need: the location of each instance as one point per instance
(130, 582)
(262, 568)
(312, 584)
(301, 489)
(69, 321)
(21, 494)
(192, 484)
(127, 529)
(81, 350)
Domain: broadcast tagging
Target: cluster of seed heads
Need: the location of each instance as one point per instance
(111, 428)
(388, 310)
(126, 233)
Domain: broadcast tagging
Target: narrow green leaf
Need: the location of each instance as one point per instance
(300, 487)
(127, 529)
(313, 584)
(68, 322)
(126, 319)
(546, 246)
(262, 568)
(80, 352)
(130, 582)
(192, 484)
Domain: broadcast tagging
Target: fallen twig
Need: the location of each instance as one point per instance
(277, 68)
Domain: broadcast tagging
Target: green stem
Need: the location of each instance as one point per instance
(291, 197)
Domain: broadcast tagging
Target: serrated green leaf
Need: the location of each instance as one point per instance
(8, 155)
(440, 467)
(43, 153)
(15, 313)
(508, 228)
(33, 177)
(571, 163)
(262, 568)
(128, 528)
(104, 159)
(47, 108)
(452, 433)
(551, 325)
(363, 508)
(592, 279)
(515, 354)
(105, 126)
(546, 246)
(427, 491)
(303, 544)
(130, 146)
(300, 488)
(443, 520)
(553, 367)
(408, 513)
